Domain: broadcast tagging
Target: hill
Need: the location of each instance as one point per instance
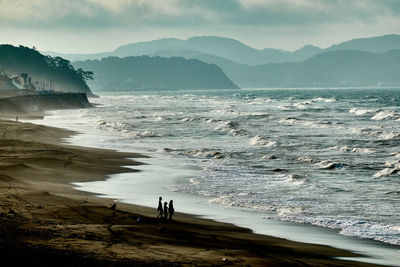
(379, 44)
(341, 68)
(155, 73)
(43, 69)
(228, 48)
(330, 68)
(238, 52)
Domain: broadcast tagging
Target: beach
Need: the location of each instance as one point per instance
(45, 221)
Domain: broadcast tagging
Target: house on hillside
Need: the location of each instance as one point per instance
(7, 84)
(16, 82)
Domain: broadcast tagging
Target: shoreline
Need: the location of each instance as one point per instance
(40, 202)
(374, 251)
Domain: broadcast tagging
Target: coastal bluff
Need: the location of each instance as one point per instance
(39, 103)
(154, 73)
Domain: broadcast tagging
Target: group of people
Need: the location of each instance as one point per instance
(167, 209)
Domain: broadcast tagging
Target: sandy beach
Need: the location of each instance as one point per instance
(44, 221)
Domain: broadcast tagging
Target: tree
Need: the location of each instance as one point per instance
(85, 75)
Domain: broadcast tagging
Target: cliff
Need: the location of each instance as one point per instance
(38, 104)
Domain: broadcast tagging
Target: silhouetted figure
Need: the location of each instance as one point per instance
(16, 119)
(171, 209)
(113, 206)
(160, 209)
(165, 210)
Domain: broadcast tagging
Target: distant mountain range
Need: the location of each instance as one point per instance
(155, 73)
(218, 46)
(330, 68)
(250, 67)
(238, 52)
(340, 68)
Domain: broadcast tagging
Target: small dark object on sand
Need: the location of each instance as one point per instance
(113, 206)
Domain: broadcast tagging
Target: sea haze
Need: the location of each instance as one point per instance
(327, 157)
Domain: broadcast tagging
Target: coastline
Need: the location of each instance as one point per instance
(43, 216)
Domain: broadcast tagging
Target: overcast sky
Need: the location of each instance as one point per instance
(102, 25)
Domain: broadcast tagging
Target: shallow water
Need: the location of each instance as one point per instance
(326, 157)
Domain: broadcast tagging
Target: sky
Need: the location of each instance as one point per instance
(90, 26)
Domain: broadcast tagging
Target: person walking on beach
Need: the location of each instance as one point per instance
(160, 209)
(171, 209)
(165, 210)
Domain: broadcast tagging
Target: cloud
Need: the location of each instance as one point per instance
(263, 23)
(183, 13)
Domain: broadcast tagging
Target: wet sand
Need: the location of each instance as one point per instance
(45, 222)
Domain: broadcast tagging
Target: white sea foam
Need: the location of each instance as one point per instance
(307, 159)
(386, 172)
(228, 126)
(326, 164)
(288, 211)
(203, 153)
(262, 141)
(268, 157)
(296, 179)
(322, 99)
(353, 149)
(187, 119)
(360, 112)
(389, 135)
(384, 115)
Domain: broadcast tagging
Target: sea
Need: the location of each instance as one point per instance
(257, 157)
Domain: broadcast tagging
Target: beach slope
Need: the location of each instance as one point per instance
(45, 222)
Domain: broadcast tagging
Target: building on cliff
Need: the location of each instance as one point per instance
(16, 82)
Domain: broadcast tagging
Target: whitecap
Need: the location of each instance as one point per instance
(353, 149)
(322, 99)
(187, 119)
(296, 179)
(229, 126)
(360, 112)
(285, 211)
(384, 115)
(389, 135)
(330, 165)
(386, 172)
(268, 157)
(307, 159)
(259, 140)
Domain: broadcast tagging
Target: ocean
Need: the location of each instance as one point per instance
(323, 157)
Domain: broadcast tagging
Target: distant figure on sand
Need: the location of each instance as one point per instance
(171, 209)
(165, 209)
(160, 209)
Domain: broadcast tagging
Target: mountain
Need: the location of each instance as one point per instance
(232, 69)
(341, 68)
(378, 44)
(289, 74)
(228, 48)
(145, 48)
(238, 52)
(240, 74)
(338, 68)
(43, 69)
(155, 73)
(226, 53)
